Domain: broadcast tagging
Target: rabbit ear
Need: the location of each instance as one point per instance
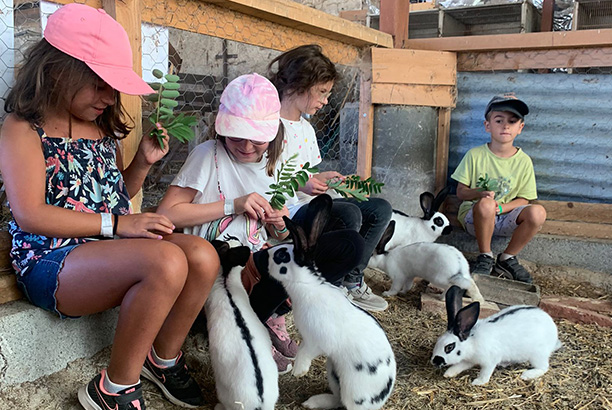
(427, 199)
(221, 247)
(454, 302)
(236, 257)
(300, 243)
(386, 237)
(439, 199)
(317, 216)
(465, 320)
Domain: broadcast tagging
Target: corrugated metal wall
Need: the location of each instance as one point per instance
(568, 133)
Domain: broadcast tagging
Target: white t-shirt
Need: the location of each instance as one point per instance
(300, 138)
(233, 180)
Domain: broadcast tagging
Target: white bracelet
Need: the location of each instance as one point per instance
(228, 207)
(106, 228)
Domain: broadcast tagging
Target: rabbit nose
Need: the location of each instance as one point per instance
(438, 361)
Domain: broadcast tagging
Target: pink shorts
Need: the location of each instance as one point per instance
(505, 224)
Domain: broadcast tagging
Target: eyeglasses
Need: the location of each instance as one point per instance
(239, 140)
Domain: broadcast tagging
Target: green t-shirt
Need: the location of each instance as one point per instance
(510, 178)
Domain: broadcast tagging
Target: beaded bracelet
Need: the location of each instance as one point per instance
(279, 231)
(500, 209)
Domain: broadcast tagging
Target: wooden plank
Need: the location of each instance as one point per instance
(442, 141)
(366, 119)
(541, 59)
(394, 20)
(8, 289)
(414, 67)
(296, 15)
(356, 16)
(426, 5)
(548, 14)
(578, 211)
(5, 248)
(409, 94)
(577, 229)
(127, 13)
(523, 41)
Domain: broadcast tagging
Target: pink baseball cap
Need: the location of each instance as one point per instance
(250, 109)
(95, 38)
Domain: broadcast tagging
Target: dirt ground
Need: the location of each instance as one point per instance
(579, 378)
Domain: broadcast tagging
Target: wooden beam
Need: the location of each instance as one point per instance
(292, 14)
(426, 5)
(414, 67)
(8, 288)
(521, 60)
(411, 94)
(366, 119)
(356, 16)
(394, 20)
(577, 211)
(442, 141)
(127, 13)
(515, 42)
(548, 14)
(577, 229)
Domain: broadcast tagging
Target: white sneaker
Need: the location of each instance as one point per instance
(363, 297)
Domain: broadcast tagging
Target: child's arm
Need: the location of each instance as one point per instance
(178, 207)
(149, 152)
(515, 203)
(23, 168)
(465, 193)
(275, 224)
(317, 184)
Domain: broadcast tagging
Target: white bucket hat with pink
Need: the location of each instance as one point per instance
(249, 109)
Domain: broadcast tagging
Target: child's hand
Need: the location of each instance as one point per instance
(487, 194)
(150, 149)
(254, 205)
(276, 218)
(145, 225)
(317, 184)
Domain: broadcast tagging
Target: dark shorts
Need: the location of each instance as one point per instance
(40, 283)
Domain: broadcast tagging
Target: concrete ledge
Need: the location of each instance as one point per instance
(35, 343)
(593, 255)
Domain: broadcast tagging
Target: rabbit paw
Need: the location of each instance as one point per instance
(300, 368)
(451, 372)
(479, 382)
(388, 293)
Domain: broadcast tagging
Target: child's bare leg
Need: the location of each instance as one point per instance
(484, 223)
(529, 221)
(144, 276)
(203, 263)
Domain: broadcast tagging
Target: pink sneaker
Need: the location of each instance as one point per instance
(282, 363)
(280, 338)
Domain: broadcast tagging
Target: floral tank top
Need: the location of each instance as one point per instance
(81, 175)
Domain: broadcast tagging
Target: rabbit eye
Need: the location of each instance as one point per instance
(449, 348)
(281, 256)
(438, 221)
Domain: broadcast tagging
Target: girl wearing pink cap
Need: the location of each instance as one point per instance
(70, 199)
(304, 77)
(220, 192)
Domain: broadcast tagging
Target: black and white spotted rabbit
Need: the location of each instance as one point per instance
(516, 334)
(360, 363)
(246, 375)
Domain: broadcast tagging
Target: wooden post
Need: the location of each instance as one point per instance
(394, 20)
(548, 7)
(366, 118)
(127, 13)
(444, 117)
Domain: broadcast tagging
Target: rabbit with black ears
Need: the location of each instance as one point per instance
(440, 264)
(412, 229)
(246, 375)
(516, 334)
(360, 363)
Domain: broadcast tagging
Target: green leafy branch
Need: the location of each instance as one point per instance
(288, 181)
(486, 183)
(179, 127)
(354, 186)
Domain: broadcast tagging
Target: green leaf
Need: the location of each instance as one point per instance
(168, 103)
(158, 73)
(172, 78)
(152, 97)
(155, 86)
(166, 111)
(170, 93)
(171, 86)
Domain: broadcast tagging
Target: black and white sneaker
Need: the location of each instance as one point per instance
(484, 265)
(175, 382)
(94, 397)
(511, 269)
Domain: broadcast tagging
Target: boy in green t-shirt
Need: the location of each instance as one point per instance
(496, 181)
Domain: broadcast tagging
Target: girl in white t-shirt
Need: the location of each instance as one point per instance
(304, 77)
(219, 193)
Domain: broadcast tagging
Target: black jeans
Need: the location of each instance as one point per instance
(369, 218)
(337, 253)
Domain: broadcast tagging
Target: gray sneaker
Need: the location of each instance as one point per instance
(366, 299)
(484, 265)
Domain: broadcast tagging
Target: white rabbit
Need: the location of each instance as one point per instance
(361, 366)
(440, 264)
(514, 335)
(412, 229)
(246, 375)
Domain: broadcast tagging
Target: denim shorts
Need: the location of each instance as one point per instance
(505, 224)
(39, 284)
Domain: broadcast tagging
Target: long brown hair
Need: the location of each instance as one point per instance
(301, 68)
(46, 77)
